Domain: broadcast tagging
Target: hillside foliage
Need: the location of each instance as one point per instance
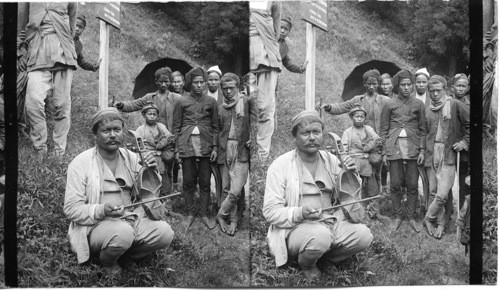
(219, 29)
(438, 31)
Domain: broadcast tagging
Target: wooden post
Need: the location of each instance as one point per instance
(104, 66)
(311, 66)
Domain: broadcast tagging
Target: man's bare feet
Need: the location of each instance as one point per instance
(312, 273)
(395, 225)
(232, 228)
(222, 223)
(210, 223)
(438, 234)
(415, 226)
(189, 221)
(429, 226)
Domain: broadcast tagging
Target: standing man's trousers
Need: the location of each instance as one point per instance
(196, 170)
(441, 179)
(265, 110)
(404, 175)
(234, 177)
(39, 84)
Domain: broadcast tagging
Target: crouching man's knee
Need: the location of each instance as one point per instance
(365, 238)
(165, 235)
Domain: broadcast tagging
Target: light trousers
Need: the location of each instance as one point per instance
(312, 239)
(234, 177)
(114, 237)
(265, 108)
(39, 84)
(441, 178)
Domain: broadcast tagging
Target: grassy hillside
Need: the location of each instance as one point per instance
(195, 259)
(402, 258)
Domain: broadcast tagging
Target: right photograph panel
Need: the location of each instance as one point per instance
(360, 143)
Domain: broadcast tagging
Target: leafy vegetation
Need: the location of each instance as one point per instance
(438, 31)
(219, 29)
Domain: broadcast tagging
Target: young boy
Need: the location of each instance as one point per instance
(359, 141)
(156, 137)
(81, 23)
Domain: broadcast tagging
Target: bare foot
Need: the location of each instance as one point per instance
(395, 225)
(415, 226)
(429, 226)
(312, 273)
(232, 228)
(222, 223)
(189, 221)
(210, 223)
(438, 234)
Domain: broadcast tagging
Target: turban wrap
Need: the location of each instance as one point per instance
(150, 105)
(195, 72)
(214, 69)
(164, 71)
(422, 71)
(434, 78)
(110, 113)
(458, 77)
(230, 77)
(310, 115)
(357, 108)
(373, 73)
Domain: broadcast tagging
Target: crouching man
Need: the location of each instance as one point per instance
(98, 187)
(293, 203)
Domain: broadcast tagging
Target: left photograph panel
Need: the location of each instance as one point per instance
(129, 115)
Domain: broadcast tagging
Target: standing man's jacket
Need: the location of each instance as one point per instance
(43, 20)
(345, 107)
(190, 112)
(166, 106)
(457, 128)
(398, 114)
(242, 129)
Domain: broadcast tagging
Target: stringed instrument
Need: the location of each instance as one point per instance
(147, 185)
(348, 185)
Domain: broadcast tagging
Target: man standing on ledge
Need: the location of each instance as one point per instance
(293, 202)
(94, 200)
(265, 63)
(50, 27)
